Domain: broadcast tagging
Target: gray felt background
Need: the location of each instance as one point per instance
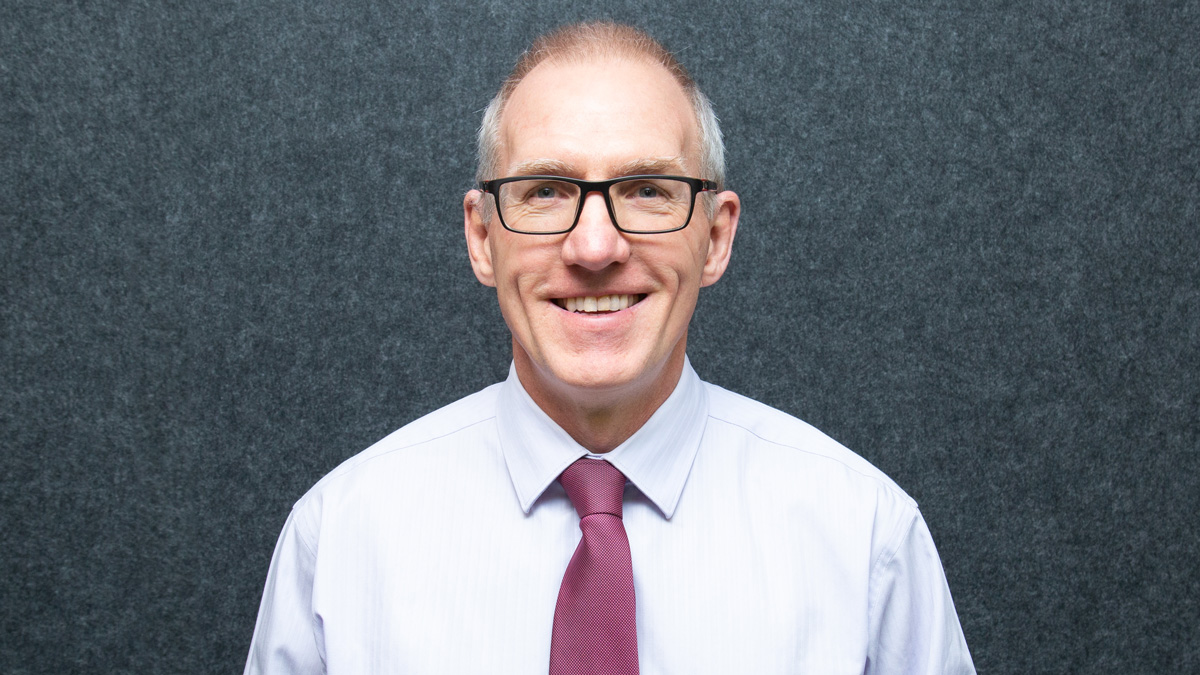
(231, 258)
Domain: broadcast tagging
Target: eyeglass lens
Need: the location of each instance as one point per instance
(639, 205)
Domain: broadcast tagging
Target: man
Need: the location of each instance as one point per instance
(499, 534)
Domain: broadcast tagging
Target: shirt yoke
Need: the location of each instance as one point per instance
(450, 419)
(781, 429)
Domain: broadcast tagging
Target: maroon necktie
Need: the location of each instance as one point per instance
(595, 628)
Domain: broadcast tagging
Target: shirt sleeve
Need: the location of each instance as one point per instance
(288, 637)
(914, 627)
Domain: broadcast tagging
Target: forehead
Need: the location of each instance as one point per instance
(593, 117)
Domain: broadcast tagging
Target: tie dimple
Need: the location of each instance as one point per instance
(595, 628)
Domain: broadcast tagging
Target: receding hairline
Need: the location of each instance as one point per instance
(591, 41)
(562, 78)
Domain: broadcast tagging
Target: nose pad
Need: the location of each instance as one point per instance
(595, 243)
(595, 207)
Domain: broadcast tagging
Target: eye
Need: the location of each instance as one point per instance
(542, 192)
(644, 191)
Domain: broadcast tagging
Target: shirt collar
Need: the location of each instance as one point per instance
(657, 458)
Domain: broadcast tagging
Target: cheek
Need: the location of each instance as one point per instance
(506, 258)
(520, 269)
(685, 263)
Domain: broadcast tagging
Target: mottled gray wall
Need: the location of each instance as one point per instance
(230, 236)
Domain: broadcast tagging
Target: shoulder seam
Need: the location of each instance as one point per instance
(350, 465)
(885, 483)
(427, 439)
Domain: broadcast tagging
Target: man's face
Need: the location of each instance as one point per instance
(594, 121)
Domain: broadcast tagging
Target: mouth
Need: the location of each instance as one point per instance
(599, 304)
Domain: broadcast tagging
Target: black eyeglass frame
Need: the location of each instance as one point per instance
(587, 187)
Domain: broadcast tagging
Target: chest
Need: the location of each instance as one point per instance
(718, 591)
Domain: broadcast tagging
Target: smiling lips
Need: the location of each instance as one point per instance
(595, 304)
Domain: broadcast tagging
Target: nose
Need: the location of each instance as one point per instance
(595, 243)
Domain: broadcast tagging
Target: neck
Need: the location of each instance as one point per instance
(600, 419)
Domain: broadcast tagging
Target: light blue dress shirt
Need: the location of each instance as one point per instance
(759, 545)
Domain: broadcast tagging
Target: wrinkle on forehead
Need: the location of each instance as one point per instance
(591, 118)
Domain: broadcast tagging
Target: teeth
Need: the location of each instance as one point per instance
(602, 303)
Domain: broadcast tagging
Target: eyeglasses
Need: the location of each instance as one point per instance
(636, 204)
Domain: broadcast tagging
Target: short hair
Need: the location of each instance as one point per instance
(600, 39)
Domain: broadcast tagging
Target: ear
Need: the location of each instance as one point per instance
(477, 230)
(721, 231)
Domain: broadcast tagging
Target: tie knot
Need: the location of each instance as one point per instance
(594, 486)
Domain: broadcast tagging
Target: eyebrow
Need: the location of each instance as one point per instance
(657, 165)
(554, 167)
(538, 167)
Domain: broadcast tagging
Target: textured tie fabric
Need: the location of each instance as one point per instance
(595, 626)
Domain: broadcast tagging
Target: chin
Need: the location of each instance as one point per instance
(597, 377)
